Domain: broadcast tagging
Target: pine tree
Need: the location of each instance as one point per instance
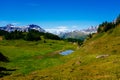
(118, 19)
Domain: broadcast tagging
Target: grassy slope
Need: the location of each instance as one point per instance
(83, 64)
(30, 56)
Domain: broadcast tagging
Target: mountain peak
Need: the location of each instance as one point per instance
(11, 27)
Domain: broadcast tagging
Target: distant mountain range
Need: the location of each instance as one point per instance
(11, 28)
(78, 34)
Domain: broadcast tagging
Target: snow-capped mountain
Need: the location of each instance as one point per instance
(36, 27)
(73, 34)
(90, 30)
(11, 28)
(78, 34)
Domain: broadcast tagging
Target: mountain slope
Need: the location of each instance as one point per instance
(97, 59)
(78, 34)
(11, 28)
(74, 34)
(84, 64)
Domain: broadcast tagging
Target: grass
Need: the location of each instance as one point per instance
(29, 56)
(82, 64)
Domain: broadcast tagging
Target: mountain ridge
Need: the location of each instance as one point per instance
(10, 28)
(78, 34)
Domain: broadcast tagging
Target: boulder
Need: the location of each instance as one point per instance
(102, 56)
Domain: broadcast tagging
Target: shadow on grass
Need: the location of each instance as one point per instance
(3, 58)
(4, 71)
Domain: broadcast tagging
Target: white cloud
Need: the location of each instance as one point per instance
(74, 27)
(62, 28)
(59, 29)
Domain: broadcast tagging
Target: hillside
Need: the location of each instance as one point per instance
(98, 58)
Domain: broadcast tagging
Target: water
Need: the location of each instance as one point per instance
(66, 52)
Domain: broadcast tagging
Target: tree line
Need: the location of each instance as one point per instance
(105, 26)
(31, 35)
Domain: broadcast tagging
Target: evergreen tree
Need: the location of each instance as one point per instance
(118, 20)
(51, 36)
(33, 35)
(105, 26)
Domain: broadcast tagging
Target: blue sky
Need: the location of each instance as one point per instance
(58, 14)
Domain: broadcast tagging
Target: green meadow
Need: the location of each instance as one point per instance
(97, 59)
(28, 56)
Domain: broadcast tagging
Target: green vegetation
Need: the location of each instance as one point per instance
(29, 56)
(106, 26)
(84, 64)
(118, 20)
(98, 58)
(3, 69)
(78, 41)
(31, 35)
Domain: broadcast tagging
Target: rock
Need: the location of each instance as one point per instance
(78, 62)
(102, 56)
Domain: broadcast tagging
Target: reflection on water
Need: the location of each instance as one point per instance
(66, 52)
